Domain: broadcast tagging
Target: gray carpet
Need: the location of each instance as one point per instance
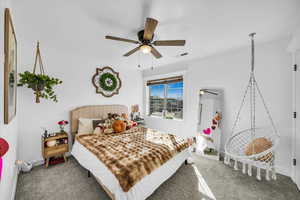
(69, 181)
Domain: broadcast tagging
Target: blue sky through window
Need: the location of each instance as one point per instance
(175, 90)
(157, 90)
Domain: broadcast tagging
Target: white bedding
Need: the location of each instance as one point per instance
(139, 191)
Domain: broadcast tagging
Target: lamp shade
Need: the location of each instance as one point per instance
(145, 48)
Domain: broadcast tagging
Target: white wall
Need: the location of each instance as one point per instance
(230, 71)
(76, 90)
(71, 52)
(8, 132)
(294, 44)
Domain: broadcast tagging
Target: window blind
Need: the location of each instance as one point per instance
(165, 80)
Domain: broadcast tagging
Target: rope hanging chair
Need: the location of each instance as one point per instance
(253, 146)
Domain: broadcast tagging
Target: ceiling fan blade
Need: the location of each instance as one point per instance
(169, 43)
(132, 51)
(155, 53)
(121, 39)
(150, 26)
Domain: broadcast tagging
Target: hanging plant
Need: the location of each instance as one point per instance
(41, 84)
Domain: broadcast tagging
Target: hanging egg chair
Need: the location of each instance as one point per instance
(253, 146)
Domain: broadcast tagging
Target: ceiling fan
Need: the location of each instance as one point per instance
(145, 38)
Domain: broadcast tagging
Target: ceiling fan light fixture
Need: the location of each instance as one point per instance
(145, 40)
(145, 48)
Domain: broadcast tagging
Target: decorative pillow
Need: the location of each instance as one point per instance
(105, 124)
(119, 126)
(98, 130)
(97, 122)
(85, 125)
(130, 124)
(108, 130)
(257, 146)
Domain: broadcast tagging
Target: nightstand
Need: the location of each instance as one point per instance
(55, 146)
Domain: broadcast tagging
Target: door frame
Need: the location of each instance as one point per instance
(295, 175)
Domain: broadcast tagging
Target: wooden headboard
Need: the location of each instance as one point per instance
(93, 111)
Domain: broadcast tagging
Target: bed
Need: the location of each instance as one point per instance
(102, 171)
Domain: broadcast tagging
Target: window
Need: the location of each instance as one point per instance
(166, 97)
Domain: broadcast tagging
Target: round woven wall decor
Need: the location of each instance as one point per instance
(106, 81)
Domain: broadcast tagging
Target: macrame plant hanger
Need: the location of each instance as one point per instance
(236, 145)
(38, 60)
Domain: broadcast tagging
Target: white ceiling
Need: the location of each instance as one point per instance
(209, 26)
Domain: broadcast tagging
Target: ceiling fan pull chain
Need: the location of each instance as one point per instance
(139, 60)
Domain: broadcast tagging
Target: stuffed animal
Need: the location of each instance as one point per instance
(119, 126)
(108, 130)
(130, 124)
(98, 130)
(113, 116)
(105, 126)
(124, 116)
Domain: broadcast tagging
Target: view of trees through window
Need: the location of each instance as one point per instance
(166, 100)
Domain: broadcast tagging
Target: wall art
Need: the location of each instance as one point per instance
(106, 81)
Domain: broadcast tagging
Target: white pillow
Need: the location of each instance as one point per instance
(98, 130)
(85, 126)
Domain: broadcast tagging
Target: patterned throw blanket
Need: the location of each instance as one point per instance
(133, 154)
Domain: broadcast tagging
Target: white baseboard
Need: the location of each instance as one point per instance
(36, 163)
(283, 171)
(15, 182)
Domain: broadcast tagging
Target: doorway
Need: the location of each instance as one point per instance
(296, 132)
